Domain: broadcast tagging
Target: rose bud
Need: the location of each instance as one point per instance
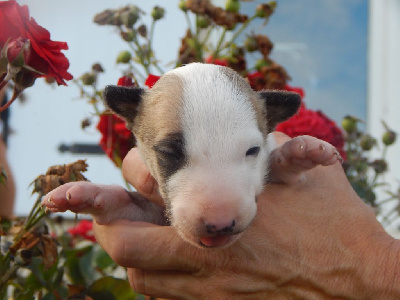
(142, 30)
(128, 35)
(367, 142)
(157, 13)
(202, 22)
(349, 124)
(24, 79)
(183, 5)
(379, 165)
(251, 44)
(124, 57)
(129, 17)
(265, 10)
(18, 51)
(232, 6)
(389, 137)
(98, 68)
(88, 78)
(85, 123)
(261, 63)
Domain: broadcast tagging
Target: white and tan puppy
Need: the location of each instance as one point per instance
(203, 133)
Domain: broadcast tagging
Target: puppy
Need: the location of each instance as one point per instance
(203, 133)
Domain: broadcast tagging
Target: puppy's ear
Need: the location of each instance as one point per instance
(123, 100)
(280, 106)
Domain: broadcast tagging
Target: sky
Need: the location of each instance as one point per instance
(321, 43)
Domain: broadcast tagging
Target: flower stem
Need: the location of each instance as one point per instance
(13, 98)
(220, 41)
(10, 273)
(150, 40)
(189, 23)
(206, 36)
(3, 84)
(139, 53)
(240, 30)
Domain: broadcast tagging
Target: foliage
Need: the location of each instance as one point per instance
(366, 172)
(62, 264)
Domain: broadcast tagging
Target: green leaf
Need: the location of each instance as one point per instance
(87, 267)
(73, 265)
(102, 259)
(109, 288)
(25, 295)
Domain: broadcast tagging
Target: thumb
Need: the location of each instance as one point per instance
(138, 244)
(138, 175)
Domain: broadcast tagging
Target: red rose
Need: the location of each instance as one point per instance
(45, 54)
(216, 61)
(313, 123)
(151, 80)
(116, 140)
(83, 229)
(256, 80)
(125, 81)
(297, 90)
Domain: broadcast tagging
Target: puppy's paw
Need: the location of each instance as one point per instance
(73, 196)
(289, 161)
(86, 197)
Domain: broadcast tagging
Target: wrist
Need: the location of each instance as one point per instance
(382, 269)
(364, 267)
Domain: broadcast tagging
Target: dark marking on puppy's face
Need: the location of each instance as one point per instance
(170, 153)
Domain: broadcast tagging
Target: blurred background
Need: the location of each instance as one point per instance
(343, 53)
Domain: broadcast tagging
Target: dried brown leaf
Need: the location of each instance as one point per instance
(48, 248)
(58, 175)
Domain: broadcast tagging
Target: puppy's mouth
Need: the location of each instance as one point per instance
(218, 240)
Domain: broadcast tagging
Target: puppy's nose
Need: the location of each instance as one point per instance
(215, 228)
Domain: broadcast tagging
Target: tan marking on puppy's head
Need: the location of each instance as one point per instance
(158, 117)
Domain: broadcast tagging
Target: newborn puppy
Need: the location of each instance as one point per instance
(203, 133)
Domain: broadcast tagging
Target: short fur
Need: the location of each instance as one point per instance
(202, 131)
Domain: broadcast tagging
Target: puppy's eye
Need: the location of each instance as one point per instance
(170, 153)
(253, 151)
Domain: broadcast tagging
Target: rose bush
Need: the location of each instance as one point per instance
(45, 57)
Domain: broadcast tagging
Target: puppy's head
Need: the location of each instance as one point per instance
(202, 131)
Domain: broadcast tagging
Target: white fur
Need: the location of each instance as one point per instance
(219, 183)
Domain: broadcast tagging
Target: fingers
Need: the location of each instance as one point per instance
(166, 284)
(138, 175)
(139, 244)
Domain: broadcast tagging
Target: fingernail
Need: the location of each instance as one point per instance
(340, 158)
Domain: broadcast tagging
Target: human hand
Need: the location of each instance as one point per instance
(310, 239)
